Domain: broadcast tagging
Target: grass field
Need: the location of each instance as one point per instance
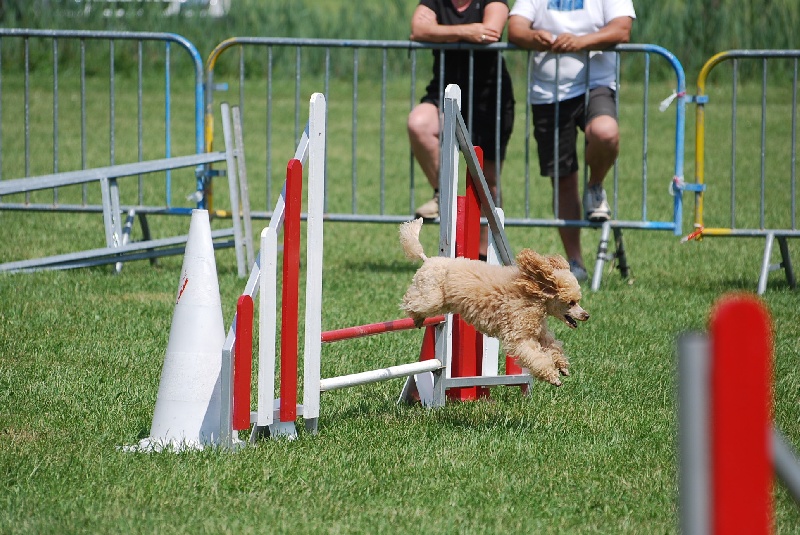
(81, 355)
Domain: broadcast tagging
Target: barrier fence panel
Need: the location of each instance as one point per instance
(372, 85)
(73, 100)
(746, 150)
(111, 180)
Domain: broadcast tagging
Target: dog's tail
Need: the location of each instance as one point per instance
(409, 239)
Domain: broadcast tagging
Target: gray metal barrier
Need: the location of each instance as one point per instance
(373, 177)
(746, 153)
(111, 180)
(68, 102)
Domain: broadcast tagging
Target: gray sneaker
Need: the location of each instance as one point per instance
(595, 205)
(429, 210)
(578, 270)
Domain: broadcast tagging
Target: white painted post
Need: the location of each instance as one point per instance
(491, 346)
(267, 327)
(233, 187)
(314, 240)
(448, 191)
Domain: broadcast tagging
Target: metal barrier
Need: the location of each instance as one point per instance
(117, 236)
(69, 117)
(271, 75)
(756, 196)
(368, 183)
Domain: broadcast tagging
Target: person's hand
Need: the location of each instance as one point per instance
(542, 40)
(481, 34)
(566, 42)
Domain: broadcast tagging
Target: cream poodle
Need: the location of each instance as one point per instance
(510, 303)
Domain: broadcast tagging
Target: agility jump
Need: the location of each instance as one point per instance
(467, 371)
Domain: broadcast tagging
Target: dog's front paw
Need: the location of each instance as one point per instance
(551, 377)
(559, 360)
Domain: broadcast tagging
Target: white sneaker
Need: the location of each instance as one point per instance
(429, 210)
(595, 205)
(578, 270)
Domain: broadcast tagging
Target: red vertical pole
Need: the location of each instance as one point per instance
(512, 368)
(741, 416)
(243, 363)
(472, 243)
(291, 277)
(464, 334)
(472, 214)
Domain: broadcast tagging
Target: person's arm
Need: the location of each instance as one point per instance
(424, 26)
(523, 35)
(617, 31)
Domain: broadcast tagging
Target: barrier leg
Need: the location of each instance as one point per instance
(619, 253)
(602, 256)
(765, 263)
(126, 235)
(786, 261)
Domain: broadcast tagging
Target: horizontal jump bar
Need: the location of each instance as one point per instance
(489, 380)
(374, 376)
(376, 328)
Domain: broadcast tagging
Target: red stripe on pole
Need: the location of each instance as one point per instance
(291, 278)
(464, 334)
(472, 244)
(360, 331)
(428, 349)
(243, 363)
(512, 368)
(472, 215)
(741, 416)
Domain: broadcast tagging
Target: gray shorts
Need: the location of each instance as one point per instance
(572, 114)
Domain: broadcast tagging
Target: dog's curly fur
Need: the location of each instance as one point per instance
(510, 303)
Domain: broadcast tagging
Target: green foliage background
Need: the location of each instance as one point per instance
(693, 31)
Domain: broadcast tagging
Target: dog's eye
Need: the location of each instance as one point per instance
(573, 303)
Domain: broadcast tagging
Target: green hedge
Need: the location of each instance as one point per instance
(692, 31)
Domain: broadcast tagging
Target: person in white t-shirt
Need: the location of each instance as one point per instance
(565, 33)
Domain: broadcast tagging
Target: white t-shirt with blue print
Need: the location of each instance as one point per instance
(578, 17)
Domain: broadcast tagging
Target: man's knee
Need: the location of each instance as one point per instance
(423, 120)
(603, 130)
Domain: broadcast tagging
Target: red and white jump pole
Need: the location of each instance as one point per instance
(729, 448)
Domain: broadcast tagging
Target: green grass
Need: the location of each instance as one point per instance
(81, 355)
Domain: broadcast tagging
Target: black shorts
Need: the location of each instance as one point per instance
(572, 115)
(484, 122)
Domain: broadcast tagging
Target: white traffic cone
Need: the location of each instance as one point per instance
(187, 412)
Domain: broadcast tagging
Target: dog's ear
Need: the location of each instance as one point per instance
(558, 261)
(532, 262)
(539, 269)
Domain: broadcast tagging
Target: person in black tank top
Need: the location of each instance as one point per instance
(468, 21)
